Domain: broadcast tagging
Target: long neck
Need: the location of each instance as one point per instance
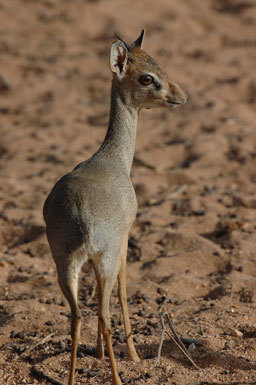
(119, 143)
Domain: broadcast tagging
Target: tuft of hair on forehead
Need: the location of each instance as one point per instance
(138, 59)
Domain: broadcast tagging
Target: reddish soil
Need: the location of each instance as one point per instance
(193, 243)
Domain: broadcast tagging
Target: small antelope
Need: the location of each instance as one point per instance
(90, 210)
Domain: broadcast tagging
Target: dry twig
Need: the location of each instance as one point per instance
(174, 337)
(38, 343)
(223, 383)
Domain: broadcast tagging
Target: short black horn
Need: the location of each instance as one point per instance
(138, 42)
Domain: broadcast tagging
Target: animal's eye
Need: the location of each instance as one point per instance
(146, 80)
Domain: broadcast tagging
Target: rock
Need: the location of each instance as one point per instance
(236, 333)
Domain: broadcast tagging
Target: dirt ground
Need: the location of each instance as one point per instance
(192, 246)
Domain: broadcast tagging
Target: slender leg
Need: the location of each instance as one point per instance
(123, 302)
(68, 286)
(99, 347)
(105, 286)
(75, 334)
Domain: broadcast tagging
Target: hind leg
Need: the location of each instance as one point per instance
(99, 347)
(68, 281)
(122, 295)
(105, 286)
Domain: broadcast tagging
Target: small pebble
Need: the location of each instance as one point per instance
(21, 349)
(31, 357)
(65, 314)
(141, 312)
(126, 380)
(228, 345)
(92, 373)
(42, 300)
(199, 212)
(81, 371)
(21, 269)
(49, 323)
(191, 347)
(61, 345)
(145, 298)
(4, 84)
(153, 324)
(22, 335)
(80, 354)
(160, 291)
(162, 299)
(48, 301)
(236, 333)
(14, 334)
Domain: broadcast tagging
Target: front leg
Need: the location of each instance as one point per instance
(122, 295)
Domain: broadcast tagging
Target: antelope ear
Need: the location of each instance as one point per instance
(139, 41)
(118, 58)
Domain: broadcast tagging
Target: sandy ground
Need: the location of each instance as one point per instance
(193, 243)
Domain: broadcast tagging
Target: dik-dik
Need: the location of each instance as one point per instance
(90, 210)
